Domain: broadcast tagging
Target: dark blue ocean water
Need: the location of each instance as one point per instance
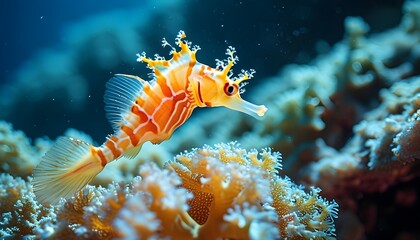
(28, 26)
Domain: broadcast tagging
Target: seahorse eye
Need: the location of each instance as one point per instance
(230, 89)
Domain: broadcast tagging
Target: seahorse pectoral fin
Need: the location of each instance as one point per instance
(132, 152)
(238, 104)
(120, 95)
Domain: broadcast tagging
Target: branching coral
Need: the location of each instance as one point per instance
(211, 192)
(227, 179)
(384, 145)
(224, 178)
(389, 132)
(147, 208)
(21, 215)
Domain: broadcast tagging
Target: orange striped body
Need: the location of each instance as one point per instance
(180, 84)
(162, 107)
(141, 111)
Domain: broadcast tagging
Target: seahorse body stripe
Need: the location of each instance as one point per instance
(157, 117)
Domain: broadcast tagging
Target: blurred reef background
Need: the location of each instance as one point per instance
(60, 55)
(340, 80)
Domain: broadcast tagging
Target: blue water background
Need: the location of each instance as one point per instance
(267, 35)
(27, 26)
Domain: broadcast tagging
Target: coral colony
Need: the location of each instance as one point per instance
(347, 127)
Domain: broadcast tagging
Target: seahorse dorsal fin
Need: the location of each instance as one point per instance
(121, 93)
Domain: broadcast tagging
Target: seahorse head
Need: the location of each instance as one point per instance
(216, 87)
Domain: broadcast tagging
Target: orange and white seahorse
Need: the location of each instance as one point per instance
(141, 111)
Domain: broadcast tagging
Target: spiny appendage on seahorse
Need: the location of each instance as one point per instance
(159, 62)
(225, 66)
(222, 68)
(66, 169)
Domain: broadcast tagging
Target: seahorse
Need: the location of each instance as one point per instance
(141, 111)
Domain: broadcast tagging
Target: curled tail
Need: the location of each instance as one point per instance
(65, 169)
